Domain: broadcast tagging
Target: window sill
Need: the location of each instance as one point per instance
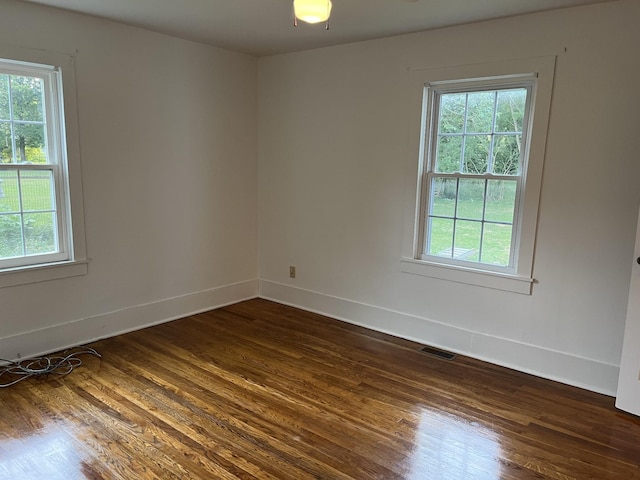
(42, 273)
(469, 276)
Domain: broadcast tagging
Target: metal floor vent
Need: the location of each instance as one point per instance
(438, 353)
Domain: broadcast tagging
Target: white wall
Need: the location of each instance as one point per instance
(337, 174)
(168, 139)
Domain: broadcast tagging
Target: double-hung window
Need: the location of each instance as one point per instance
(35, 200)
(474, 179)
(482, 144)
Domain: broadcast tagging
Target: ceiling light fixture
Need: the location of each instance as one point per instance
(311, 11)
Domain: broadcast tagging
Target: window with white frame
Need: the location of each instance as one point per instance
(35, 206)
(482, 145)
(475, 174)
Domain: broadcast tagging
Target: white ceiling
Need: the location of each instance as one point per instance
(264, 27)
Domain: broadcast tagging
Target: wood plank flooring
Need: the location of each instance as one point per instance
(258, 390)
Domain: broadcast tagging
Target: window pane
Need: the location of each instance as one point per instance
(452, 108)
(480, 112)
(476, 153)
(10, 236)
(496, 244)
(9, 201)
(441, 236)
(471, 198)
(510, 110)
(501, 200)
(467, 241)
(506, 154)
(449, 154)
(37, 191)
(6, 155)
(27, 98)
(443, 197)
(39, 233)
(4, 97)
(30, 143)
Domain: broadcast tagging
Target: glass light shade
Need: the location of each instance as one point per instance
(312, 11)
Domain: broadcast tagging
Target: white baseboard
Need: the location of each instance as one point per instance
(554, 365)
(559, 366)
(78, 332)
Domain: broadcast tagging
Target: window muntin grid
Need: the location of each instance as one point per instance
(474, 179)
(32, 182)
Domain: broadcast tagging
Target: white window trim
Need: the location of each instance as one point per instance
(521, 279)
(77, 264)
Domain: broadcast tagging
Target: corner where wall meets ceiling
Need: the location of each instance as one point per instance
(261, 28)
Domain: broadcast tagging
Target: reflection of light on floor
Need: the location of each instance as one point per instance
(49, 454)
(448, 447)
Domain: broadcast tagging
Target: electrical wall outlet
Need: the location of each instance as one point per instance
(292, 271)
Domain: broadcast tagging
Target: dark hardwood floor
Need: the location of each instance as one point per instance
(258, 390)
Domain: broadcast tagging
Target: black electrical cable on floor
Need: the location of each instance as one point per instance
(62, 364)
